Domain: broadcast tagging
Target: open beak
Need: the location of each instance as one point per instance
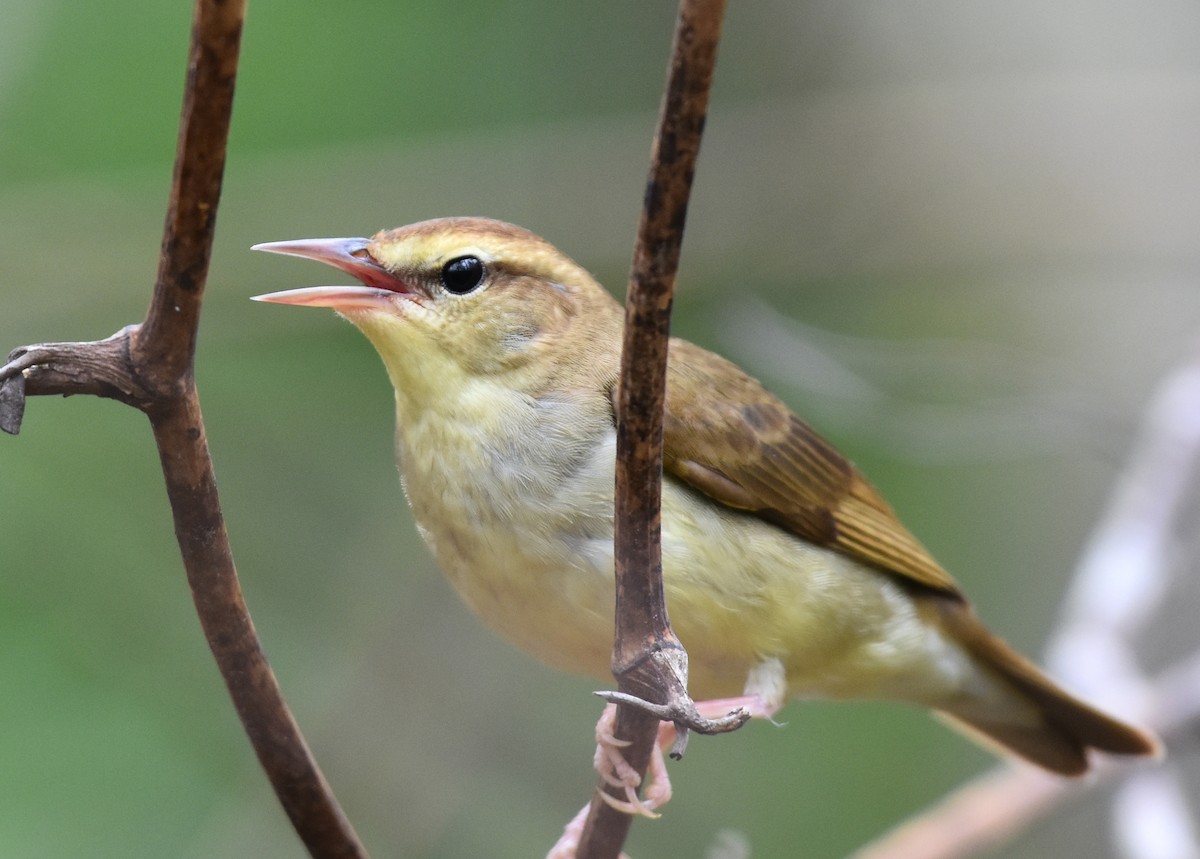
(350, 255)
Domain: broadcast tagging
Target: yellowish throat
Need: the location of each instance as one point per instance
(787, 575)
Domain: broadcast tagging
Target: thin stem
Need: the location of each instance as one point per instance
(648, 659)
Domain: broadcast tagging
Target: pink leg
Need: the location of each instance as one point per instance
(616, 771)
(613, 768)
(756, 705)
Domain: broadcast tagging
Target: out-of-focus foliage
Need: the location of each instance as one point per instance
(984, 215)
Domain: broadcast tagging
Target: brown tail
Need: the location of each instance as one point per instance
(1059, 728)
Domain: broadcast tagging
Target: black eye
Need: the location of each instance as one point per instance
(462, 275)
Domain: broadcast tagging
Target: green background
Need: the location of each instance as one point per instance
(960, 238)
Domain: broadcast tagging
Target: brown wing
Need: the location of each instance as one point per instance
(728, 437)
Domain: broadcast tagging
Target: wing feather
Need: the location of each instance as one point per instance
(728, 437)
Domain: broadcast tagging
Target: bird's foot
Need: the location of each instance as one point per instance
(616, 771)
(756, 706)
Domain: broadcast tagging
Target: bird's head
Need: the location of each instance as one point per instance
(453, 301)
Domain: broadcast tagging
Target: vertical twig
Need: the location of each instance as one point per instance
(648, 660)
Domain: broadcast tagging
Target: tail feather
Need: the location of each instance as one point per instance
(1063, 727)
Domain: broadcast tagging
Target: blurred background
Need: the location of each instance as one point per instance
(959, 238)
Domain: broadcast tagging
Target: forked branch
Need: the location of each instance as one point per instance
(149, 366)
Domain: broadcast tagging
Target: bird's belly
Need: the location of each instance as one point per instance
(558, 609)
(535, 563)
(742, 592)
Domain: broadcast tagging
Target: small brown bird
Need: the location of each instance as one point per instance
(787, 574)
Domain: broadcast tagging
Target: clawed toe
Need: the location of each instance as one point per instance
(616, 771)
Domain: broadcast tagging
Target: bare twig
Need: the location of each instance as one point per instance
(983, 812)
(1121, 583)
(150, 367)
(648, 660)
(1006, 800)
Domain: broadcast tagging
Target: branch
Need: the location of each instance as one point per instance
(996, 806)
(648, 660)
(149, 366)
(1121, 582)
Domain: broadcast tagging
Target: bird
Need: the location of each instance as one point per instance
(786, 573)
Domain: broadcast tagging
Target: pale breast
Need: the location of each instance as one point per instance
(516, 506)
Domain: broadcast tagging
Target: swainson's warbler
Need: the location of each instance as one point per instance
(786, 573)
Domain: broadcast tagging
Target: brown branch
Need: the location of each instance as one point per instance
(167, 339)
(648, 660)
(150, 367)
